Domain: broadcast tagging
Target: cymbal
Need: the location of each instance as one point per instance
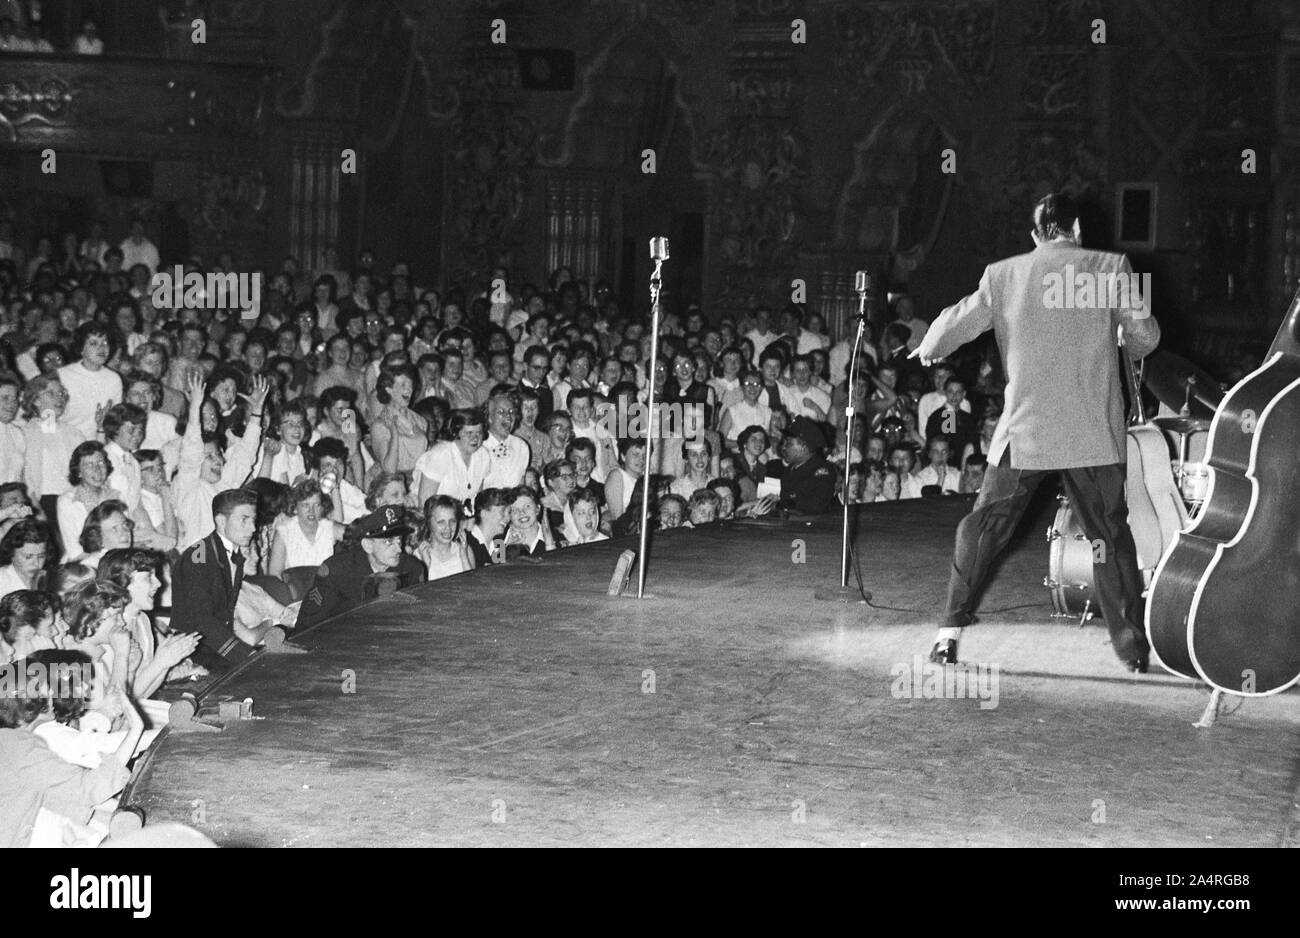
(1181, 424)
(1177, 382)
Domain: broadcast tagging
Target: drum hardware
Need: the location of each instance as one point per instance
(1087, 603)
(1193, 478)
(1181, 385)
(1070, 566)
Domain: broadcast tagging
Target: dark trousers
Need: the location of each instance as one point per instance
(1097, 497)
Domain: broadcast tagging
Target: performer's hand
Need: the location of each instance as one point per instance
(925, 359)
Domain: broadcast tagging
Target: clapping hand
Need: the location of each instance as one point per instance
(176, 647)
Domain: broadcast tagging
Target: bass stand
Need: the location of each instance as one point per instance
(844, 594)
(658, 254)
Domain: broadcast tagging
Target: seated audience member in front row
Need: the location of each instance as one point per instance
(487, 533)
(940, 472)
(901, 482)
(206, 581)
(307, 536)
(584, 508)
(972, 477)
(377, 566)
(136, 572)
(703, 507)
(527, 533)
(672, 512)
(443, 548)
(695, 468)
(621, 479)
(558, 475)
(728, 493)
(32, 777)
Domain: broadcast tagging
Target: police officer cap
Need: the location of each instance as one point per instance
(808, 431)
(388, 521)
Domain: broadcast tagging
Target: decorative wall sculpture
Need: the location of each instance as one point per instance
(491, 153)
(228, 208)
(913, 40)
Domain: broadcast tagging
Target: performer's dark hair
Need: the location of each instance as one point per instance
(1055, 215)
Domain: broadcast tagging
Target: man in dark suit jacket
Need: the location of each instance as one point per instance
(1063, 412)
(376, 567)
(206, 581)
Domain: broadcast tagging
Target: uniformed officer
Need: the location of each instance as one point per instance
(807, 480)
(378, 566)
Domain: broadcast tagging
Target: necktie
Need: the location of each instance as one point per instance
(236, 565)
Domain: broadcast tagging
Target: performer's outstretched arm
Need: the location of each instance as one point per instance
(958, 324)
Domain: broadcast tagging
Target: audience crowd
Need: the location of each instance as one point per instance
(178, 485)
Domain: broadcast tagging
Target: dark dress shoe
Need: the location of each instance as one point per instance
(944, 652)
(1137, 665)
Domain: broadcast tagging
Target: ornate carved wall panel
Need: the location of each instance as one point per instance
(140, 108)
(757, 164)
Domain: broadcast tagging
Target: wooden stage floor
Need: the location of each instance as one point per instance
(519, 706)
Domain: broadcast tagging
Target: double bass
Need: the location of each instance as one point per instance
(1224, 604)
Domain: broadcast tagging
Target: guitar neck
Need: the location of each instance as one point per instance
(1287, 340)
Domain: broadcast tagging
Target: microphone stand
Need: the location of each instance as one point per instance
(844, 594)
(651, 424)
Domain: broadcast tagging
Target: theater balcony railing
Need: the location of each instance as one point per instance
(140, 108)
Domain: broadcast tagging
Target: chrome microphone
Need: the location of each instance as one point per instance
(861, 282)
(658, 249)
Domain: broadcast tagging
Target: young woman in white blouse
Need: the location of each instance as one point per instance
(88, 471)
(307, 537)
(458, 465)
(443, 548)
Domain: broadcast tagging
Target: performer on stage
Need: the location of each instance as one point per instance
(1064, 411)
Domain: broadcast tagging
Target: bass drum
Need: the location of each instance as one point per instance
(1069, 567)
